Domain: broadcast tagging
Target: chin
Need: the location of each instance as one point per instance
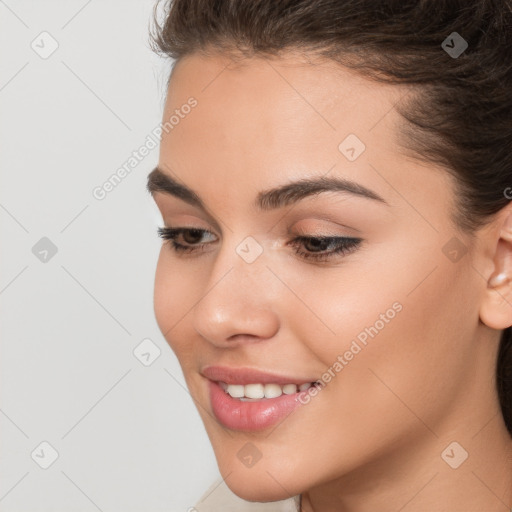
(265, 481)
(258, 489)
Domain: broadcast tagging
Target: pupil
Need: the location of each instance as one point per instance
(195, 235)
(318, 244)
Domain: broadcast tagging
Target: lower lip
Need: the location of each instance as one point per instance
(251, 416)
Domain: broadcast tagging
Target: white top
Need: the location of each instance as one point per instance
(220, 498)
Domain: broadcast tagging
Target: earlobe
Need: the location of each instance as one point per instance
(496, 307)
(498, 279)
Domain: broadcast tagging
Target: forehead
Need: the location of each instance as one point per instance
(291, 94)
(259, 122)
(268, 110)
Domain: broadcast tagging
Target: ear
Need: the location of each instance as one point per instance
(496, 306)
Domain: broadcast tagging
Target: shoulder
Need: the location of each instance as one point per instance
(219, 498)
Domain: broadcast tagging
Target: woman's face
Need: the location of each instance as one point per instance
(384, 325)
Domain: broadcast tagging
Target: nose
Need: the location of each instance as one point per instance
(238, 302)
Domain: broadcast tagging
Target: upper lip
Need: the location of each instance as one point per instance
(231, 375)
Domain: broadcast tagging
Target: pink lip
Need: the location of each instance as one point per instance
(249, 376)
(250, 416)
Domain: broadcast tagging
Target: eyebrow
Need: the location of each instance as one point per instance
(270, 199)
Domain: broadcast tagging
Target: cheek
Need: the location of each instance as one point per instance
(162, 299)
(171, 300)
(331, 308)
(406, 300)
(401, 331)
(416, 356)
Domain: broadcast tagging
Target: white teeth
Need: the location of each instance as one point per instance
(254, 390)
(273, 390)
(258, 391)
(289, 389)
(235, 390)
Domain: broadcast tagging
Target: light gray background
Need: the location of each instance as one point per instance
(128, 435)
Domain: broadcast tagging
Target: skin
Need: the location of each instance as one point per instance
(372, 439)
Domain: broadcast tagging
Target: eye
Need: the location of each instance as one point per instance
(307, 247)
(316, 246)
(193, 235)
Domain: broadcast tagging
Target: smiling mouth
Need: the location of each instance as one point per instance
(258, 391)
(250, 400)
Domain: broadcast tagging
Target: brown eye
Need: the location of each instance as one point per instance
(316, 246)
(191, 237)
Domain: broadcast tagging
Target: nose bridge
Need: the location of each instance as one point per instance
(237, 297)
(243, 263)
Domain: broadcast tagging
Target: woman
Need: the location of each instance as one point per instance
(335, 277)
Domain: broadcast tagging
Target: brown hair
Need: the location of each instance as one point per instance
(461, 116)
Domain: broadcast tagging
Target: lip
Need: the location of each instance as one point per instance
(231, 375)
(255, 415)
(251, 416)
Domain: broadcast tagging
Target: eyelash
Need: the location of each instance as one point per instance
(344, 244)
